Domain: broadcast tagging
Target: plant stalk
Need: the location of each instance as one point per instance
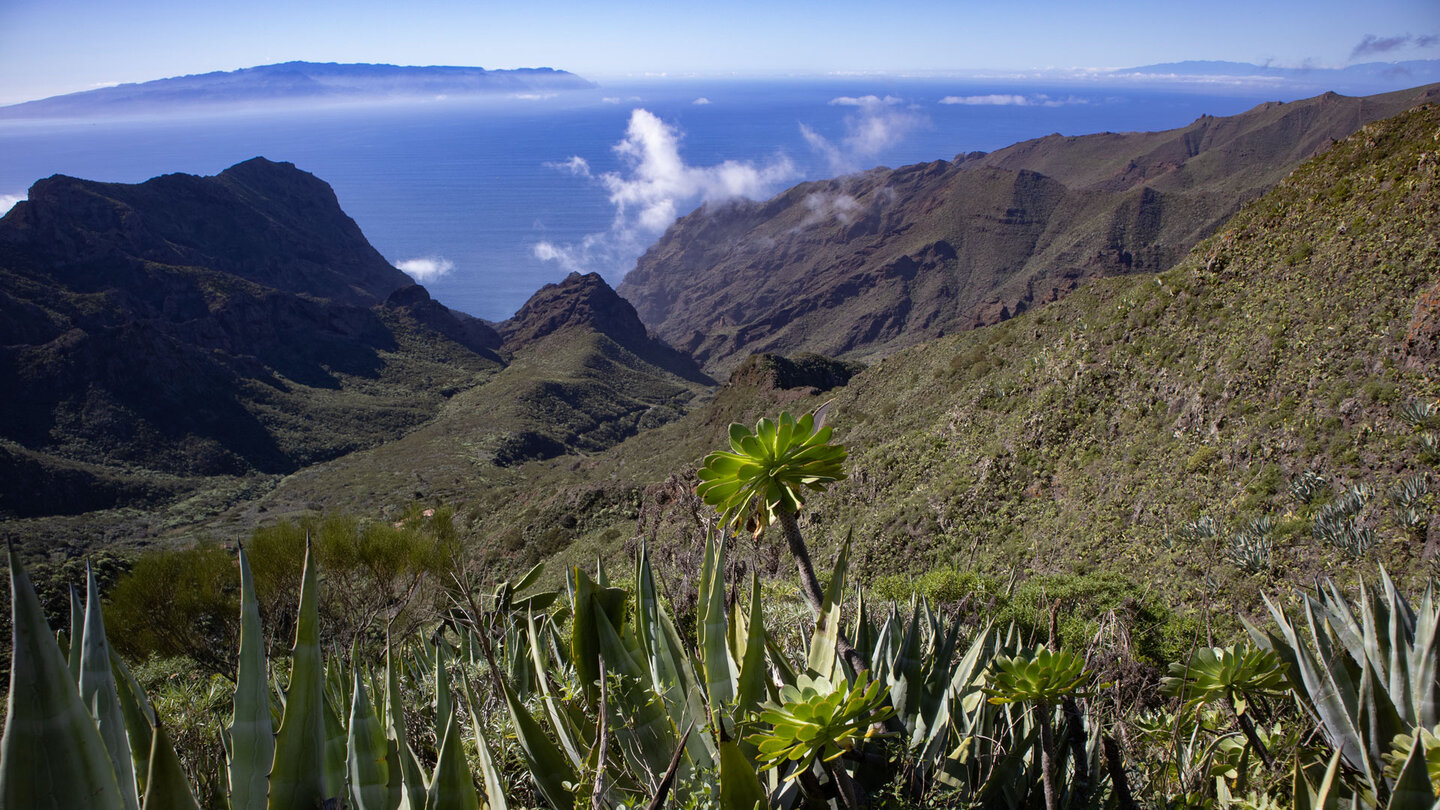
(810, 584)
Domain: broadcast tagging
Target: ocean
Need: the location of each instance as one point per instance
(484, 202)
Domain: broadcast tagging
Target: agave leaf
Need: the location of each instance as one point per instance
(411, 795)
(139, 718)
(444, 708)
(51, 755)
(368, 763)
(719, 666)
(1326, 687)
(739, 784)
(77, 635)
(530, 578)
(168, 789)
(640, 724)
(565, 731)
(751, 687)
(549, 766)
(827, 624)
(251, 730)
(97, 690)
(494, 783)
(450, 787)
(1412, 789)
(905, 672)
(298, 776)
(671, 668)
(1424, 661)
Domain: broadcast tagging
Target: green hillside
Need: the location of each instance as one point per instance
(1085, 435)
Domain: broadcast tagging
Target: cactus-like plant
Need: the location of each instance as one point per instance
(814, 719)
(1044, 678)
(1235, 676)
(763, 477)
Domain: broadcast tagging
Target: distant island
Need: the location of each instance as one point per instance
(294, 82)
(1366, 77)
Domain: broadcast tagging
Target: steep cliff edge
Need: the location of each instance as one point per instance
(866, 264)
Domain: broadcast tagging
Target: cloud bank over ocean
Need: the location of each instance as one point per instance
(877, 124)
(1012, 100)
(654, 186)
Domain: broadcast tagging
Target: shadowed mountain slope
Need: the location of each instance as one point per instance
(201, 326)
(865, 264)
(582, 376)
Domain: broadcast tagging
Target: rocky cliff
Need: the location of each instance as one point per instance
(865, 264)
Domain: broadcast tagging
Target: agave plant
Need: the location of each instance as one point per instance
(1405, 498)
(1367, 671)
(1251, 553)
(1419, 414)
(1308, 486)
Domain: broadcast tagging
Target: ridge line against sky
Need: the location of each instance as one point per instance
(50, 47)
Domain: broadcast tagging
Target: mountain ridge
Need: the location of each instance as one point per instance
(295, 82)
(866, 264)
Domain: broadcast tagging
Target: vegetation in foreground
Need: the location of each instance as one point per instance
(592, 694)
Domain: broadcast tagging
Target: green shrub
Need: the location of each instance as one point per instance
(940, 586)
(1091, 602)
(178, 603)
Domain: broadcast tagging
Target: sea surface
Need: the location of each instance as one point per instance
(472, 187)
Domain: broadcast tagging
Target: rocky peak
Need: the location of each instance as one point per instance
(263, 221)
(587, 303)
(580, 301)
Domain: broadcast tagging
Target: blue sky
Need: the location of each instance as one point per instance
(56, 46)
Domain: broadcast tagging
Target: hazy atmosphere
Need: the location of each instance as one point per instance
(63, 46)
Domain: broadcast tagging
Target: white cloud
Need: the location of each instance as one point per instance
(876, 125)
(426, 269)
(653, 188)
(992, 100)
(701, 101)
(7, 201)
(820, 207)
(533, 96)
(1010, 100)
(576, 165)
(865, 101)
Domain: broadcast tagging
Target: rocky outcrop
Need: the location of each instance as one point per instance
(587, 303)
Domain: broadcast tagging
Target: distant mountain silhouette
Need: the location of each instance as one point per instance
(295, 82)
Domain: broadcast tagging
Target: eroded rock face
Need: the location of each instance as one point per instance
(866, 264)
(587, 302)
